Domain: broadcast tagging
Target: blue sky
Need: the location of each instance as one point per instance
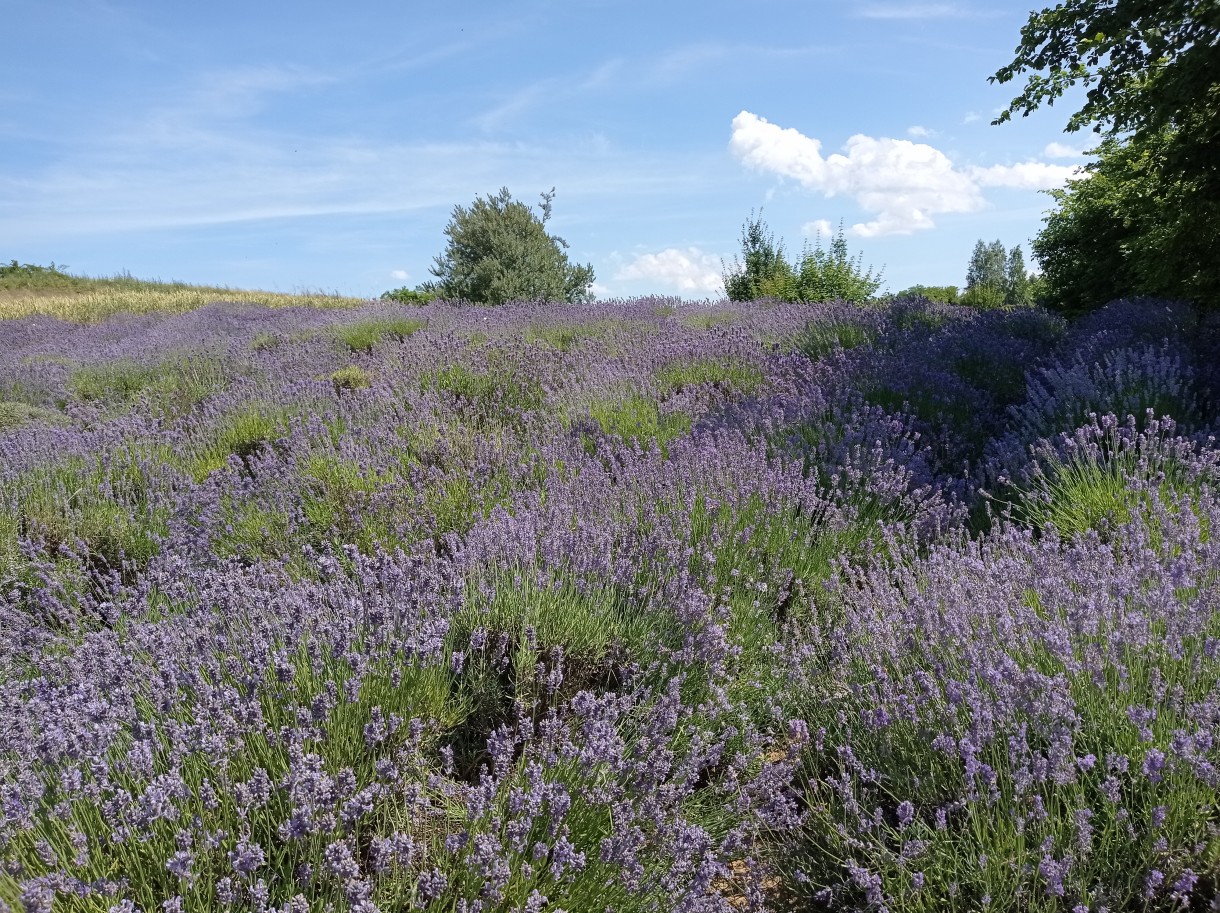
(322, 146)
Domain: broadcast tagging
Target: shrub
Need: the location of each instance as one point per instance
(819, 275)
(406, 295)
(500, 251)
(945, 294)
(350, 377)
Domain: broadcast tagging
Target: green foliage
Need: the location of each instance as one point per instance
(765, 272)
(819, 275)
(15, 273)
(241, 434)
(731, 373)
(499, 251)
(821, 337)
(1160, 62)
(14, 414)
(1146, 221)
(567, 336)
(987, 265)
(406, 295)
(171, 387)
(350, 377)
(706, 320)
(983, 297)
(826, 275)
(637, 417)
(1017, 291)
(496, 395)
(1130, 229)
(103, 513)
(363, 335)
(995, 278)
(945, 294)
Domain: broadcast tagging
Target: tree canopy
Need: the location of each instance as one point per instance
(1147, 63)
(499, 250)
(1145, 220)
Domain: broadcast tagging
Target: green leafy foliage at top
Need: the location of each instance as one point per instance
(499, 250)
(1147, 64)
(819, 275)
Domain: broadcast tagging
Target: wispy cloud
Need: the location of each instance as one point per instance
(920, 132)
(902, 183)
(676, 269)
(620, 74)
(210, 157)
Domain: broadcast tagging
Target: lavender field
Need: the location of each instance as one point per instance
(631, 606)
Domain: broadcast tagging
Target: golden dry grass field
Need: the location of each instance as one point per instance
(88, 300)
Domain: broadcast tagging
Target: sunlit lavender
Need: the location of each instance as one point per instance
(640, 605)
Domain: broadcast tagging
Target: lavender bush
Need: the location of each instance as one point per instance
(640, 605)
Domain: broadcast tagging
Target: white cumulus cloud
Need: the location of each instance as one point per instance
(399, 274)
(1026, 175)
(920, 132)
(902, 183)
(818, 227)
(1062, 151)
(677, 269)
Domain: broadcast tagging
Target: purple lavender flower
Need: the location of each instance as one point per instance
(1154, 764)
(246, 857)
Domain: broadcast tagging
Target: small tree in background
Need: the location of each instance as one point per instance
(829, 274)
(1017, 290)
(499, 251)
(988, 265)
(765, 272)
(996, 278)
(819, 275)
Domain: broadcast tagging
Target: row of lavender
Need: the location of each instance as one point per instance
(637, 606)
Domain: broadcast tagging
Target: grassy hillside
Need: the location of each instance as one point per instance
(27, 290)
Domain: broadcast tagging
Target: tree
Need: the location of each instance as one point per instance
(820, 275)
(762, 271)
(996, 278)
(1116, 234)
(1017, 290)
(1153, 75)
(829, 274)
(988, 266)
(1161, 61)
(499, 250)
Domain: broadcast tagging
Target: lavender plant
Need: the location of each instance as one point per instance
(636, 605)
